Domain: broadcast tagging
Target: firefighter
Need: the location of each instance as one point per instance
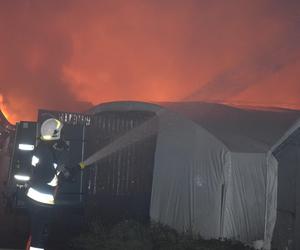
(49, 169)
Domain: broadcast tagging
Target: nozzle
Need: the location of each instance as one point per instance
(82, 165)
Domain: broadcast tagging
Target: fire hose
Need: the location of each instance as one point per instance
(136, 134)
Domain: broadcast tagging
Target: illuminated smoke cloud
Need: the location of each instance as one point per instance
(34, 50)
(73, 54)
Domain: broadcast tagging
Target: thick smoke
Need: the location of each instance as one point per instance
(69, 54)
(35, 48)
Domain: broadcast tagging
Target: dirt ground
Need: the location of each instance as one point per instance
(14, 229)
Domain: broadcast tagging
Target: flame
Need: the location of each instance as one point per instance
(4, 111)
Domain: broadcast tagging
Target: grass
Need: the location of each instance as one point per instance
(132, 235)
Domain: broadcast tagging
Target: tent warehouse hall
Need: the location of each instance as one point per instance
(215, 172)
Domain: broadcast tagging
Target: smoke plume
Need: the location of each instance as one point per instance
(70, 55)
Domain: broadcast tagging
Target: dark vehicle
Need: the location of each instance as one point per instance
(20, 167)
(25, 141)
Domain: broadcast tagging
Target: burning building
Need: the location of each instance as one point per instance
(5, 130)
(6, 136)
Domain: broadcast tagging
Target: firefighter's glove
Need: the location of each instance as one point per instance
(66, 173)
(82, 165)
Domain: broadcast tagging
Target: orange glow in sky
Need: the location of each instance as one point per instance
(71, 55)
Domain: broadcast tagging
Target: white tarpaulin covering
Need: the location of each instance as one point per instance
(214, 173)
(200, 186)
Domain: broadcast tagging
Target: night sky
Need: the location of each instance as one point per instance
(70, 55)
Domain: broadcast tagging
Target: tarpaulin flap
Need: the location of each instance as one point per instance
(188, 178)
(245, 206)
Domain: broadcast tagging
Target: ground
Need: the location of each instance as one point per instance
(71, 230)
(132, 235)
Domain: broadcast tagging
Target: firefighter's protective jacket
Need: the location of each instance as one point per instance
(49, 159)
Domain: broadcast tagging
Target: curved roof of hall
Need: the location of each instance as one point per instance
(241, 130)
(125, 106)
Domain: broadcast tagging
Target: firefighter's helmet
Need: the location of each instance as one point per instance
(51, 129)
